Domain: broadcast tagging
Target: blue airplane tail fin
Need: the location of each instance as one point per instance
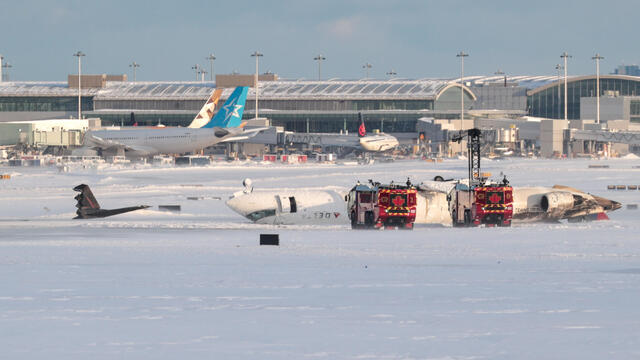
(230, 114)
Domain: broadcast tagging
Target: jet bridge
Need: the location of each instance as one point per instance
(619, 137)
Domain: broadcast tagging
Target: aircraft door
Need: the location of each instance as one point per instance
(284, 205)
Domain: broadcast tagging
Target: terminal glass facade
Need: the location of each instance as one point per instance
(336, 123)
(44, 103)
(634, 111)
(342, 105)
(549, 103)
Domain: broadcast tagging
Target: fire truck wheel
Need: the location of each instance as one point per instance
(354, 221)
(467, 218)
(368, 219)
(505, 224)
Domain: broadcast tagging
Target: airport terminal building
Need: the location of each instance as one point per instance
(330, 106)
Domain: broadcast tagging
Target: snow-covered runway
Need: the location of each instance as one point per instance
(156, 285)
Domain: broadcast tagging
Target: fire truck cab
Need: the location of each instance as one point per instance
(493, 205)
(362, 206)
(382, 206)
(489, 204)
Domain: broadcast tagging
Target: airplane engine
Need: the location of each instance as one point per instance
(556, 203)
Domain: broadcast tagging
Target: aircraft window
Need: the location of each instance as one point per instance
(257, 215)
(293, 205)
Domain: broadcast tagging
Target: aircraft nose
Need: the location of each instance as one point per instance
(236, 204)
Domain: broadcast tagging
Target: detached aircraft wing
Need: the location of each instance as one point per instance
(89, 208)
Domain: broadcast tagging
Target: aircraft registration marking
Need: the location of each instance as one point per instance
(325, 215)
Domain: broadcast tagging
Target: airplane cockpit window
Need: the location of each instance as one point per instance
(293, 206)
(257, 215)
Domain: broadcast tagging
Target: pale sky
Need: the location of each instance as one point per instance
(417, 39)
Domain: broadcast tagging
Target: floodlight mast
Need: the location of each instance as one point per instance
(366, 68)
(134, 65)
(564, 56)
(79, 55)
(461, 55)
(257, 55)
(319, 59)
(211, 58)
(597, 58)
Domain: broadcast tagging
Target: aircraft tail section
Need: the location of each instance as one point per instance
(85, 198)
(88, 207)
(230, 114)
(362, 131)
(206, 113)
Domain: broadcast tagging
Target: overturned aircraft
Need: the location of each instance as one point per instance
(89, 208)
(327, 207)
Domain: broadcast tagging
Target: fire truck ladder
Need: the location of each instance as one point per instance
(473, 154)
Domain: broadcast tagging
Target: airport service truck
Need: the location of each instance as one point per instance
(382, 206)
(486, 204)
(480, 201)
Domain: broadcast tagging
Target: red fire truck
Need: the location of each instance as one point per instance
(480, 202)
(382, 206)
(493, 205)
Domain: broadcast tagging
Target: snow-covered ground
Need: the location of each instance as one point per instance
(196, 284)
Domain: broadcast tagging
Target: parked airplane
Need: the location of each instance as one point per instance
(531, 204)
(224, 126)
(378, 142)
(89, 208)
(206, 113)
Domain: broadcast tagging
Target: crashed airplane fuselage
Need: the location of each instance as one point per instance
(530, 204)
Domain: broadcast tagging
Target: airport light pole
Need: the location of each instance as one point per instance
(196, 68)
(319, 59)
(597, 58)
(558, 68)
(257, 55)
(211, 58)
(392, 73)
(366, 68)
(500, 72)
(1, 66)
(6, 75)
(134, 65)
(203, 72)
(461, 55)
(79, 55)
(565, 56)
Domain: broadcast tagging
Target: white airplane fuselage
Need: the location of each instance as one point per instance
(299, 207)
(151, 141)
(327, 207)
(378, 142)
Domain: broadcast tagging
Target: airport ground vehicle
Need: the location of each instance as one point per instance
(382, 205)
(479, 201)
